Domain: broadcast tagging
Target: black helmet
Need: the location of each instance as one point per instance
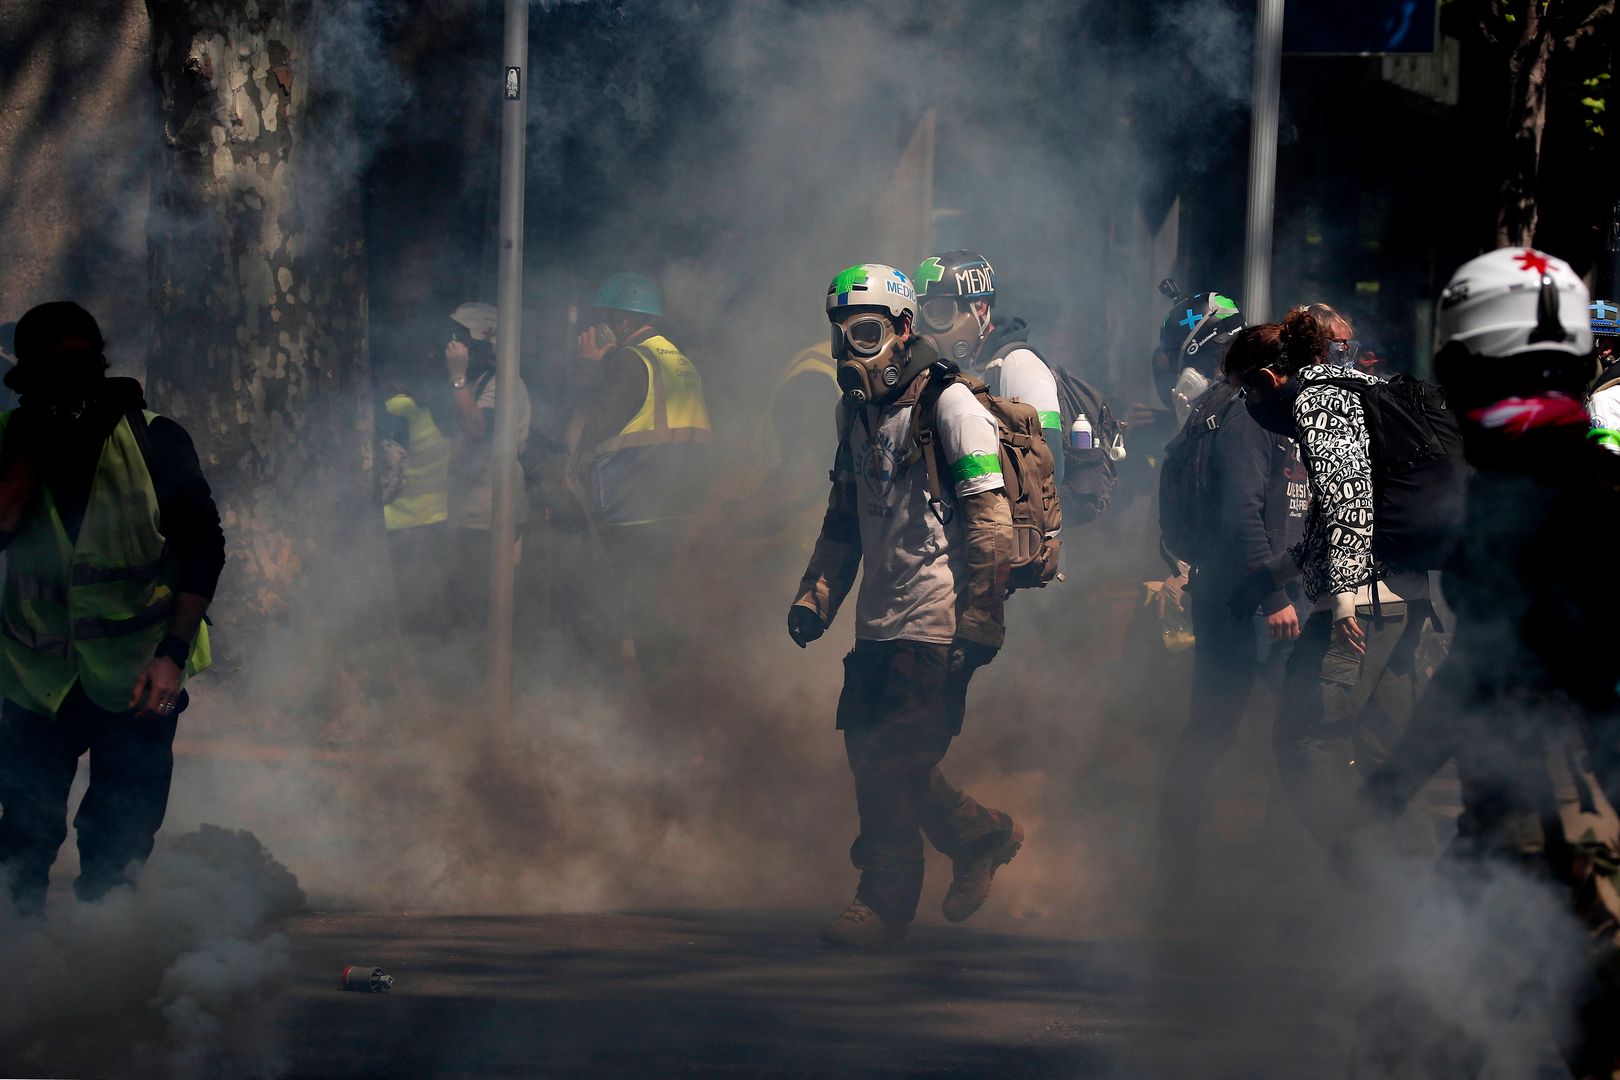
(1195, 323)
(960, 275)
(948, 287)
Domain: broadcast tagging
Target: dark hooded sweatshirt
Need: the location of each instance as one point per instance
(1261, 496)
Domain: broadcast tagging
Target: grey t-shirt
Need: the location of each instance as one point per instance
(914, 568)
(472, 493)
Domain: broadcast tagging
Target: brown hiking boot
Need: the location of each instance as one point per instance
(970, 878)
(860, 927)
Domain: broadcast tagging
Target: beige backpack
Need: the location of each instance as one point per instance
(1026, 469)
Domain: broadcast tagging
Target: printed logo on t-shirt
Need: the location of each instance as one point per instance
(876, 465)
(1299, 491)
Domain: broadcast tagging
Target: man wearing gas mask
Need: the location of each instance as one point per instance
(928, 615)
(956, 297)
(1191, 340)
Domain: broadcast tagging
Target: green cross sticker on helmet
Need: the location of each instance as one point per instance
(848, 279)
(928, 272)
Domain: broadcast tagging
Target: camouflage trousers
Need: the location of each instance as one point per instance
(900, 708)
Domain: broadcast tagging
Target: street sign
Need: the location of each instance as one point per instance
(1367, 27)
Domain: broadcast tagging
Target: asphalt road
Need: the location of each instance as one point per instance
(720, 994)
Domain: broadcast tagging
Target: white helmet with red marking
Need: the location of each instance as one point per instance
(1515, 300)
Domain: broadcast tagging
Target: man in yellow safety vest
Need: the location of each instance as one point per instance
(643, 437)
(113, 549)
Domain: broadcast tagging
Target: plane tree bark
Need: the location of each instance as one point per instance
(259, 303)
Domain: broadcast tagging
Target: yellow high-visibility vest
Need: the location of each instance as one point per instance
(816, 360)
(425, 498)
(651, 470)
(94, 609)
(674, 410)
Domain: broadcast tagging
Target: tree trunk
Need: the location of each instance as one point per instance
(1526, 120)
(259, 338)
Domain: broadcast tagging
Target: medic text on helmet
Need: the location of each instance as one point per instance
(974, 280)
(898, 285)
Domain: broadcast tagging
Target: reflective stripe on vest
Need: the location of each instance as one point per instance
(812, 361)
(816, 360)
(89, 610)
(673, 410)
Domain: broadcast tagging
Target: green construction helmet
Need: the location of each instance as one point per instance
(630, 292)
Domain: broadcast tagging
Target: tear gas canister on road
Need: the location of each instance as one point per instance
(365, 979)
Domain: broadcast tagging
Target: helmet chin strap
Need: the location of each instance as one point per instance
(983, 322)
(1548, 325)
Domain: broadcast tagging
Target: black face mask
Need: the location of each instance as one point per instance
(1276, 413)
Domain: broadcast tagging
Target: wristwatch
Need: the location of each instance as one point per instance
(459, 382)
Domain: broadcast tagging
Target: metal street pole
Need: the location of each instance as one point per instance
(1268, 30)
(509, 328)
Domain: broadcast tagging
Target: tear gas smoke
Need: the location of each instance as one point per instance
(175, 978)
(738, 153)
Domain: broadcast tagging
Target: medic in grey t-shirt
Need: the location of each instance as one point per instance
(929, 612)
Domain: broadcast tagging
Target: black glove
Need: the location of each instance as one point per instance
(969, 656)
(804, 625)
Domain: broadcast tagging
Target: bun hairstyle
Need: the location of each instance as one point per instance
(1327, 315)
(1305, 338)
(1299, 341)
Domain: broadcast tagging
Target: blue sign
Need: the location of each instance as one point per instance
(1367, 26)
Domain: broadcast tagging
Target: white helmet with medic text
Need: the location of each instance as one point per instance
(872, 285)
(1515, 300)
(872, 308)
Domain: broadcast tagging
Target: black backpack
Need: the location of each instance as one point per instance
(1186, 504)
(1089, 476)
(1419, 472)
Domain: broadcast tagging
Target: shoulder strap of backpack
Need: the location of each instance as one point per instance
(1007, 348)
(922, 436)
(1358, 385)
(1607, 379)
(1210, 412)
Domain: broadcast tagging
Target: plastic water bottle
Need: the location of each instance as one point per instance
(1080, 433)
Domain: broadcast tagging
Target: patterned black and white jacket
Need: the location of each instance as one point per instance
(1335, 558)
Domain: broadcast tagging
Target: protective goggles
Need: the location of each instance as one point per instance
(863, 335)
(940, 312)
(1343, 353)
